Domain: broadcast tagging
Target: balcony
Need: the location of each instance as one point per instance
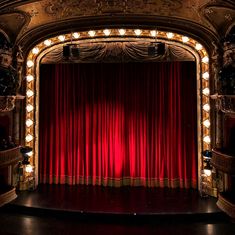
(8, 174)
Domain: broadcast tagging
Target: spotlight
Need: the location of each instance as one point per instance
(156, 49)
(74, 50)
(151, 50)
(71, 51)
(66, 51)
(161, 48)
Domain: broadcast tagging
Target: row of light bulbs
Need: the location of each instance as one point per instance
(121, 32)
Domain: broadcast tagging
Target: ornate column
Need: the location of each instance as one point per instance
(223, 157)
(216, 66)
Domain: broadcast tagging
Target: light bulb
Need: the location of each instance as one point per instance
(206, 91)
(206, 123)
(30, 154)
(198, 46)
(47, 42)
(205, 75)
(207, 172)
(122, 32)
(29, 93)
(185, 39)
(29, 138)
(29, 168)
(207, 139)
(153, 33)
(29, 108)
(91, 33)
(76, 35)
(35, 50)
(107, 32)
(29, 78)
(137, 32)
(170, 35)
(206, 107)
(30, 63)
(205, 59)
(61, 38)
(29, 122)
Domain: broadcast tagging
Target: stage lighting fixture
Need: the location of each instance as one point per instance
(66, 51)
(161, 48)
(151, 50)
(74, 51)
(156, 49)
(71, 51)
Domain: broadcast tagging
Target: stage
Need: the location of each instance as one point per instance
(122, 204)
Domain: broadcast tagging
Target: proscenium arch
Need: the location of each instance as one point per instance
(191, 45)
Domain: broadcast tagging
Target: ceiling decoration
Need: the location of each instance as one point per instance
(61, 9)
(221, 17)
(12, 23)
(22, 19)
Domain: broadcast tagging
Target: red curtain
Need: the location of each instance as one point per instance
(118, 124)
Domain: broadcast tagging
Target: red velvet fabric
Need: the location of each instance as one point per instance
(118, 124)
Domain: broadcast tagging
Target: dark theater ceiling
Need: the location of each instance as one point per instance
(31, 20)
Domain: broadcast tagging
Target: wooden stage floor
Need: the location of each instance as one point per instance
(131, 202)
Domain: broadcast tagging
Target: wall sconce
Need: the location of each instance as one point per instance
(206, 179)
(26, 170)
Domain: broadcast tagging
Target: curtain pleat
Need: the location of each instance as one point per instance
(118, 124)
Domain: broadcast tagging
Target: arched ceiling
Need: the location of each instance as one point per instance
(27, 21)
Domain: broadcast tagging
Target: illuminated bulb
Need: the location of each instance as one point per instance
(76, 35)
(122, 31)
(30, 154)
(35, 50)
(29, 122)
(170, 35)
(207, 139)
(30, 63)
(61, 38)
(29, 168)
(137, 32)
(29, 93)
(207, 172)
(91, 33)
(29, 138)
(198, 46)
(29, 108)
(185, 39)
(206, 107)
(205, 75)
(47, 42)
(29, 78)
(205, 59)
(206, 91)
(107, 32)
(153, 33)
(206, 123)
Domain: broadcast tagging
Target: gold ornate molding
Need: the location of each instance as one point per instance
(224, 103)
(10, 156)
(226, 205)
(7, 103)
(223, 162)
(64, 9)
(7, 196)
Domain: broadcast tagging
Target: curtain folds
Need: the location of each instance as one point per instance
(118, 124)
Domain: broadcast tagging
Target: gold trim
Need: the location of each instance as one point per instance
(7, 197)
(84, 37)
(226, 206)
(118, 182)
